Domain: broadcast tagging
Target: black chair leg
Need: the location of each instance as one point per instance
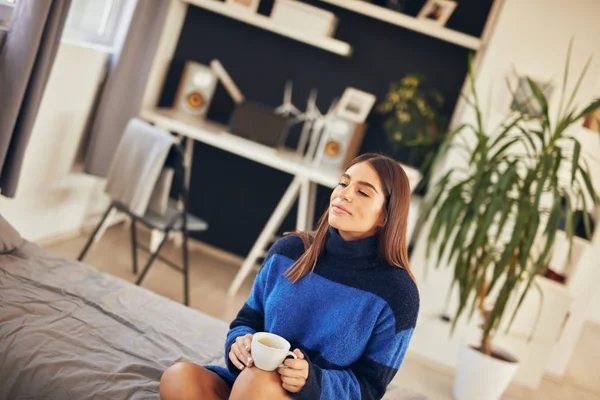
(93, 236)
(134, 246)
(152, 258)
(186, 271)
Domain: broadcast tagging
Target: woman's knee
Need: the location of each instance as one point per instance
(254, 383)
(183, 381)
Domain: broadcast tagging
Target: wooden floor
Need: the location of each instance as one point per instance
(210, 278)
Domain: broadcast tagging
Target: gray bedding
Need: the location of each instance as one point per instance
(70, 332)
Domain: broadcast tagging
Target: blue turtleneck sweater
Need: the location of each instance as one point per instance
(353, 317)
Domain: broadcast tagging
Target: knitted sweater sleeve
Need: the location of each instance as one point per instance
(251, 318)
(369, 376)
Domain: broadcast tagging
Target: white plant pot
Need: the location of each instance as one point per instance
(481, 377)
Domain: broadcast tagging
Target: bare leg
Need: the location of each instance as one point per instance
(256, 384)
(183, 381)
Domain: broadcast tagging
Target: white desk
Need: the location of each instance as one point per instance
(303, 186)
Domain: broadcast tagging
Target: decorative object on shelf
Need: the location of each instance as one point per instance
(487, 216)
(437, 11)
(377, 10)
(232, 89)
(396, 5)
(287, 108)
(592, 121)
(196, 89)
(317, 129)
(523, 100)
(303, 17)
(566, 254)
(249, 5)
(259, 123)
(340, 142)
(355, 105)
(413, 120)
(309, 117)
(260, 21)
(564, 258)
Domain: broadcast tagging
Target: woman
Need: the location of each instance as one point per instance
(344, 297)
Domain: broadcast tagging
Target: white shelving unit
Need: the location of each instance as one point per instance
(260, 21)
(408, 22)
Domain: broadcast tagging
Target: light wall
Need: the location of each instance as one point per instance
(53, 200)
(593, 310)
(532, 38)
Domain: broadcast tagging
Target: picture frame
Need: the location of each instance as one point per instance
(355, 105)
(437, 11)
(249, 5)
(522, 99)
(592, 121)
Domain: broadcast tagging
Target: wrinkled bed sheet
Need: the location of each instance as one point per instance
(68, 331)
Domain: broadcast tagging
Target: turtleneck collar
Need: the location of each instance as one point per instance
(339, 247)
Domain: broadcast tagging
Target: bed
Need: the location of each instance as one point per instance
(68, 331)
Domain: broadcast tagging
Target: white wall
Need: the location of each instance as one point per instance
(52, 200)
(593, 311)
(532, 37)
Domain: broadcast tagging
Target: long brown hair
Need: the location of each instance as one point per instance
(392, 246)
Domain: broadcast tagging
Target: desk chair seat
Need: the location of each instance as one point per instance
(160, 222)
(143, 153)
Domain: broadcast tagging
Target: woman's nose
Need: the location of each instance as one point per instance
(346, 194)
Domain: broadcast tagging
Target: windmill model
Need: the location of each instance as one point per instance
(288, 109)
(313, 120)
(318, 127)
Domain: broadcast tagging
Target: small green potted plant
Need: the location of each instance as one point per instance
(412, 122)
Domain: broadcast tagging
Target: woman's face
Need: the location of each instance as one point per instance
(356, 206)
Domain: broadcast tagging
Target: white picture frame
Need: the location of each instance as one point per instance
(437, 11)
(522, 98)
(249, 5)
(355, 105)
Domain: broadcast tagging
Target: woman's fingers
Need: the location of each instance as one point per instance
(243, 345)
(234, 358)
(292, 373)
(247, 346)
(290, 388)
(292, 381)
(243, 359)
(247, 339)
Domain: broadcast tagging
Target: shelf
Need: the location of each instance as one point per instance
(263, 22)
(216, 135)
(408, 22)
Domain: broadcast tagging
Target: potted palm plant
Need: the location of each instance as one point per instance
(486, 218)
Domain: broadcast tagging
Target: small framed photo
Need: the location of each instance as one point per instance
(592, 121)
(250, 5)
(438, 11)
(355, 105)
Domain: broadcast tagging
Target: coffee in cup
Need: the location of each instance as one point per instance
(269, 351)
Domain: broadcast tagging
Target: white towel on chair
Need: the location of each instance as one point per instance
(137, 164)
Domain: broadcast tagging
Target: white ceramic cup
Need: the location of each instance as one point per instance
(269, 351)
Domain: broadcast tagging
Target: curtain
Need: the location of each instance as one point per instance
(121, 98)
(26, 59)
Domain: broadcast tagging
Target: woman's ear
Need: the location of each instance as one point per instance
(383, 217)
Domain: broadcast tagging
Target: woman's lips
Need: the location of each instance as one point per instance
(340, 210)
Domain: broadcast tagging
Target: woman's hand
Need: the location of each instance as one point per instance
(294, 377)
(240, 352)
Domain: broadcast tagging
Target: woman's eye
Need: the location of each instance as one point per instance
(343, 184)
(363, 193)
